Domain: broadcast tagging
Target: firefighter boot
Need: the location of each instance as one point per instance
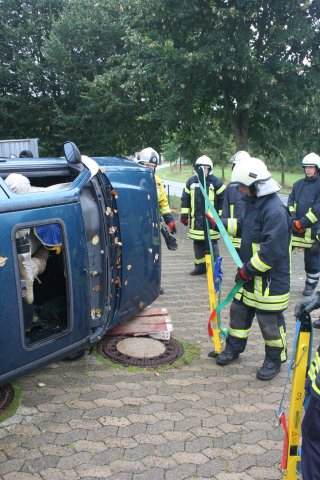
(269, 369)
(199, 269)
(308, 289)
(316, 323)
(226, 357)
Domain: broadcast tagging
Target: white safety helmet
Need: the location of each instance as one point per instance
(254, 173)
(239, 156)
(148, 155)
(311, 160)
(205, 162)
(249, 172)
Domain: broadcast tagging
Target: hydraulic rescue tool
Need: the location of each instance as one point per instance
(299, 363)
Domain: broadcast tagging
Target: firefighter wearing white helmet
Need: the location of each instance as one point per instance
(150, 158)
(205, 162)
(192, 208)
(265, 253)
(239, 155)
(304, 207)
(234, 203)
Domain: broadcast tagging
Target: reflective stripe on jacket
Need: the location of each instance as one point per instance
(314, 374)
(265, 251)
(233, 211)
(192, 204)
(164, 208)
(304, 205)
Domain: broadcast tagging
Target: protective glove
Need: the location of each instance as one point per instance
(297, 227)
(212, 221)
(172, 227)
(307, 305)
(241, 275)
(184, 219)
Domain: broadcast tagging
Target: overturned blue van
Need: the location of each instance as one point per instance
(79, 253)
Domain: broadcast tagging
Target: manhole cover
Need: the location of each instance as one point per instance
(140, 352)
(6, 396)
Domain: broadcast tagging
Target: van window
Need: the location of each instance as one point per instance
(43, 281)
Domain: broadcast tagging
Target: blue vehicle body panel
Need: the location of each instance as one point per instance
(139, 228)
(122, 226)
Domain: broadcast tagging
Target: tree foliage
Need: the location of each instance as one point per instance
(204, 76)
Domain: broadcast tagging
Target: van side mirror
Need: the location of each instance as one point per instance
(72, 153)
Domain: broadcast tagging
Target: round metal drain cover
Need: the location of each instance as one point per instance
(6, 396)
(140, 351)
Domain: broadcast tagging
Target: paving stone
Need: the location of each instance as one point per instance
(234, 476)
(35, 466)
(160, 427)
(91, 417)
(94, 471)
(114, 421)
(190, 457)
(180, 473)
(21, 476)
(152, 474)
(241, 463)
(72, 461)
(13, 465)
(149, 438)
(264, 473)
(127, 466)
(152, 461)
(59, 474)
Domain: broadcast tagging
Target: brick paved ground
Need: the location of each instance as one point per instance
(90, 421)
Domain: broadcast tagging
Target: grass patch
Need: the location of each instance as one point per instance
(12, 408)
(191, 352)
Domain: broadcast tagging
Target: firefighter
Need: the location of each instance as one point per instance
(150, 158)
(265, 253)
(234, 203)
(304, 207)
(192, 207)
(310, 449)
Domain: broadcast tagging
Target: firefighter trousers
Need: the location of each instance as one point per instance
(199, 251)
(272, 326)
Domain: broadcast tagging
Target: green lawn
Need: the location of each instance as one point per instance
(173, 173)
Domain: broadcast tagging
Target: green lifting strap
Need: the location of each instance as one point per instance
(233, 252)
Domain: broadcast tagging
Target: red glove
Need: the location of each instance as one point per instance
(211, 220)
(172, 227)
(241, 276)
(297, 227)
(184, 219)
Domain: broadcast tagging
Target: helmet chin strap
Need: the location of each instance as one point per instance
(253, 189)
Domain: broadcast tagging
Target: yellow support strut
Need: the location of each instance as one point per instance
(297, 399)
(213, 305)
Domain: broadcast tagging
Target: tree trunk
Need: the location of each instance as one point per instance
(239, 122)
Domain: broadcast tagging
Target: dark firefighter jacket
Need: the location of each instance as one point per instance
(265, 252)
(304, 205)
(233, 211)
(192, 204)
(314, 375)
